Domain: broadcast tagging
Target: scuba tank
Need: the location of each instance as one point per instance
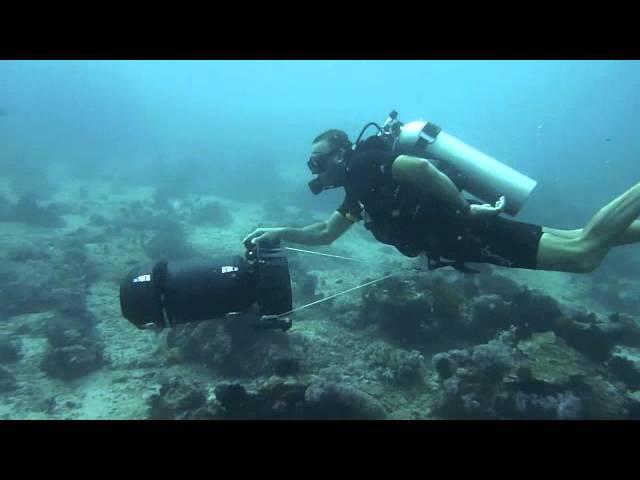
(479, 174)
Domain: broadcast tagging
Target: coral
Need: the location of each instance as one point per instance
(164, 194)
(31, 179)
(492, 313)
(98, 220)
(533, 311)
(616, 294)
(256, 352)
(71, 325)
(625, 364)
(279, 400)
(9, 350)
(496, 284)
(25, 251)
(58, 281)
(28, 211)
(594, 336)
(178, 400)
(445, 363)
(493, 360)
(395, 366)
(478, 383)
(169, 244)
(285, 367)
(204, 342)
(28, 288)
(633, 402)
(399, 311)
(74, 347)
(549, 364)
(234, 348)
(307, 284)
(602, 399)
(6, 210)
(560, 406)
(448, 300)
(7, 381)
(340, 401)
(538, 378)
(213, 214)
(73, 361)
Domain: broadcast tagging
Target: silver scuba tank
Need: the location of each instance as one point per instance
(483, 176)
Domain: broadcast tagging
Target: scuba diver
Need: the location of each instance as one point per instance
(406, 185)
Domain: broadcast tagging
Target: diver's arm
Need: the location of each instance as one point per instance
(321, 233)
(420, 173)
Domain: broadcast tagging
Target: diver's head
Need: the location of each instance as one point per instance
(327, 160)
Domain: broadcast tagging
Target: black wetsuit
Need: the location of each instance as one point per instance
(399, 215)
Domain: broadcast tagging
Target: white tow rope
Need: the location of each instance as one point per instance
(337, 294)
(323, 254)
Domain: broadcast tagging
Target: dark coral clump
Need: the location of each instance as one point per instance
(213, 214)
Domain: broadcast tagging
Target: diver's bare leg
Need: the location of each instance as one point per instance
(630, 235)
(611, 225)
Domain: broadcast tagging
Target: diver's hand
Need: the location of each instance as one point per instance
(263, 234)
(487, 211)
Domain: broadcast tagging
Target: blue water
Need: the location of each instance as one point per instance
(242, 130)
(572, 125)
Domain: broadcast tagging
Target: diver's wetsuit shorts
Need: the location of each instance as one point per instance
(500, 242)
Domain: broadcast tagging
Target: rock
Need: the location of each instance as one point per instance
(72, 361)
(625, 364)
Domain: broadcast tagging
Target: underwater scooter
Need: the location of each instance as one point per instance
(256, 286)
